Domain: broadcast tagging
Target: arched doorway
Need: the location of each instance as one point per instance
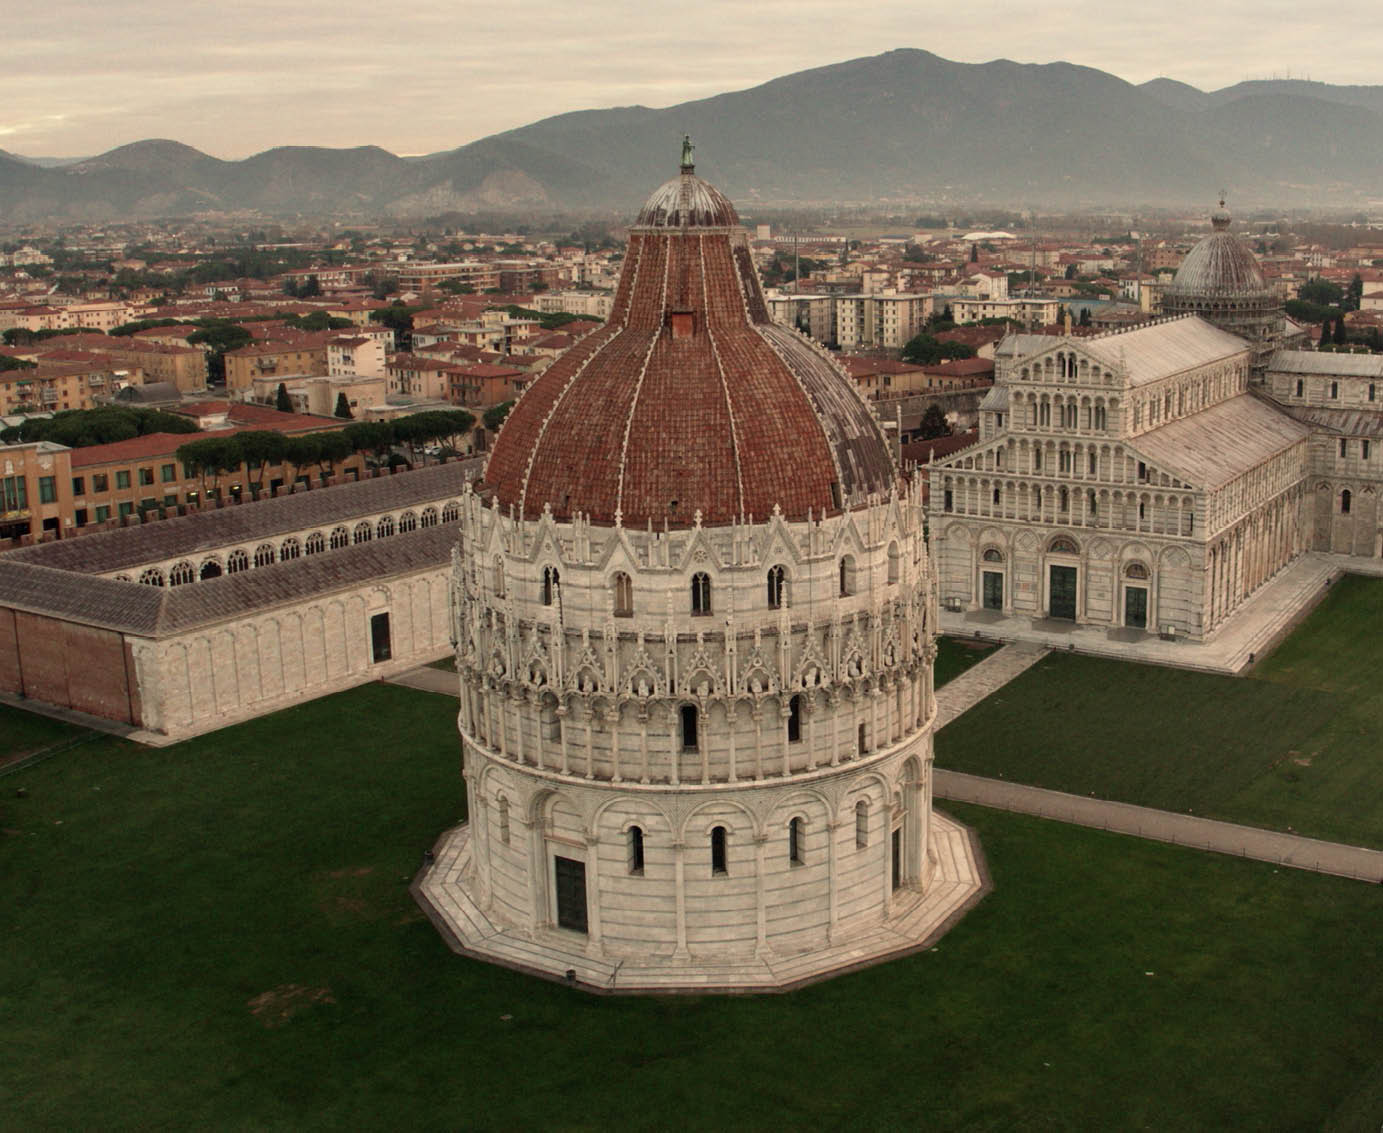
(1063, 579)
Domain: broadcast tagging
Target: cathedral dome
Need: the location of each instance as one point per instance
(1219, 267)
(690, 399)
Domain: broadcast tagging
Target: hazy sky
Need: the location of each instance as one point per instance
(234, 78)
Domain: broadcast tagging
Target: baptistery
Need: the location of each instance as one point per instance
(1220, 281)
(694, 620)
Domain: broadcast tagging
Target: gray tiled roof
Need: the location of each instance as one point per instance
(152, 611)
(1210, 448)
(1327, 363)
(231, 526)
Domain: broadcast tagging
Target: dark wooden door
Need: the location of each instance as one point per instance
(1063, 591)
(993, 590)
(571, 894)
(897, 858)
(1136, 607)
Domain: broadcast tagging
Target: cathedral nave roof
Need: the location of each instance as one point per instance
(1217, 445)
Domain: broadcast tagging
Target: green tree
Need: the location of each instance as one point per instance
(332, 448)
(1356, 291)
(282, 402)
(934, 423)
(398, 318)
(374, 438)
(495, 415)
(1321, 291)
(209, 459)
(1085, 316)
(301, 451)
(926, 350)
(974, 253)
(343, 406)
(1341, 337)
(258, 449)
(221, 337)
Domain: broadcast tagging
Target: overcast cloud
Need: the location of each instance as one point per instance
(232, 79)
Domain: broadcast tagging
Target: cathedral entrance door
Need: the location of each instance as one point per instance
(993, 590)
(1063, 593)
(571, 894)
(1136, 607)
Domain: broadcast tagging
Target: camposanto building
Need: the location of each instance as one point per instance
(694, 616)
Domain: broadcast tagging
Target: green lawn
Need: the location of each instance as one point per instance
(1298, 744)
(23, 733)
(956, 654)
(219, 935)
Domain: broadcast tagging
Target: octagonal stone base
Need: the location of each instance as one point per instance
(916, 921)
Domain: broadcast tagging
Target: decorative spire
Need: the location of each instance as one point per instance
(687, 147)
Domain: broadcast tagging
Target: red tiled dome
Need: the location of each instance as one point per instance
(690, 398)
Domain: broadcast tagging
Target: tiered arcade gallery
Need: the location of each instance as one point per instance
(695, 657)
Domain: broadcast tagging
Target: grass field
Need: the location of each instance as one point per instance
(956, 654)
(219, 934)
(1298, 744)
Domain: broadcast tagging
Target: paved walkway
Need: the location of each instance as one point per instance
(1165, 826)
(428, 679)
(964, 692)
(1249, 633)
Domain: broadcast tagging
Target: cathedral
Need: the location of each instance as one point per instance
(694, 616)
(1151, 479)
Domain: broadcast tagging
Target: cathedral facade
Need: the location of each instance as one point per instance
(1152, 479)
(694, 617)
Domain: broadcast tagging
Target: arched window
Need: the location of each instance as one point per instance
(795, 841)
(636, 849)
(264, 555)
(777, 587)
(504, 821)
(718, 864)
(499, 576)
(181, 574)
(861, 824)
(1344, 502)
(701, 593)
(1063, 547)
(1045, 413)
(408, 521)
(385, 527)
(364, 531)
(623, 592)
(795, 719)
(451, 512)
(551, 581)
(290, 549)
(893, 556)
(847, 575)
(340, 537)
(688, 714)
(1065, 500)
(152, 577)
(316, 543)
(211, 568)
(1136, 570)
(429, 517)
(864, 740)
(237, 561)
(992, 556)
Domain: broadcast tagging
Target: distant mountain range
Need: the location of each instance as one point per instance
(905, 126)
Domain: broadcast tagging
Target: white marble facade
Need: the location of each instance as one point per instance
(693, 747)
